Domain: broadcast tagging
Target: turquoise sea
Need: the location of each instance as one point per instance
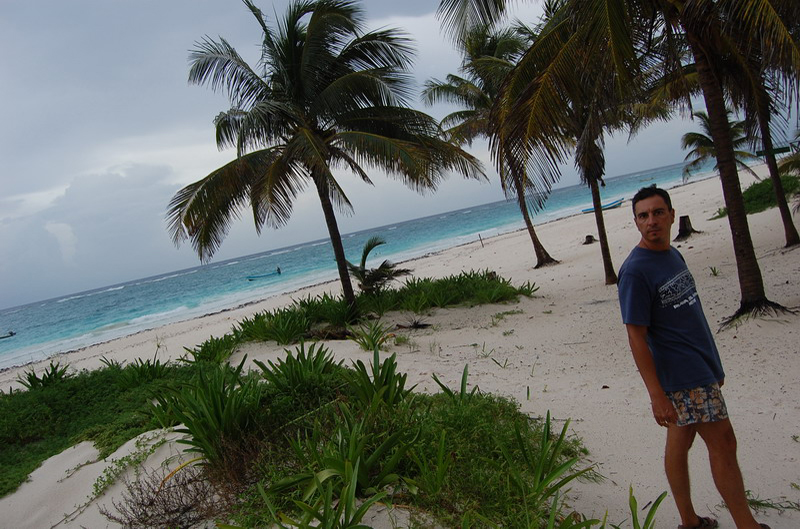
(85, 318)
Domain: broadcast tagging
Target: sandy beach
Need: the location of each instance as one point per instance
(564, 350)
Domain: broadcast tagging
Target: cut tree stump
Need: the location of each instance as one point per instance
(685, 229)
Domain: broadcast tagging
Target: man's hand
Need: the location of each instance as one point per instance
(663, 410)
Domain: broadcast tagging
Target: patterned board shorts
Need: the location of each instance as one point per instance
(701, 404)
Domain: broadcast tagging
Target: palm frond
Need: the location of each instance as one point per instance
(203, 211)
(218, 64)
(767, 25)
(459, 16)
(273, 195)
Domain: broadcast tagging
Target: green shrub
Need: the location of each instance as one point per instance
(379, 303)
(326, 309)
(287, 326)
(760, 196)
(284, 326)
(371, 335)
(255, 328)
(141, 372)
(214, 350)
(219, 411)
(356, 439)
(300, 368)
(381, 382)
(53, 374)
(89, 405)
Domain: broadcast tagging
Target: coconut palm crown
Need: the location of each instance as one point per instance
(702, 146)
(326, 97)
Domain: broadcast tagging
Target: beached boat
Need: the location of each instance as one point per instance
(610, 205)
(9, 334)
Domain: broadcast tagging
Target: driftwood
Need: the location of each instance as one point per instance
(685, 229)
(589, 239)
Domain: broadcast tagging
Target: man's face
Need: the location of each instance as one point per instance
(654, 220)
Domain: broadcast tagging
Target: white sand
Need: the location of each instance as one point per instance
(566, 347)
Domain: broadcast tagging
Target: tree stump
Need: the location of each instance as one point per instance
(589, 239)
(685, 229)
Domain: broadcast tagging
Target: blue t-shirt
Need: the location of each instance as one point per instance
(657, 291)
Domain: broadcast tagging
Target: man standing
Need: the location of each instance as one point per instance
(674, 350)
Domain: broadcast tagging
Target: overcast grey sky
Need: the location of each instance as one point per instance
(101, 129)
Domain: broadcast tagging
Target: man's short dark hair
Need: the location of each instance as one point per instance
(650, 191)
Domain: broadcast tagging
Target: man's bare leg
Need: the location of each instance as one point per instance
(676, 465)
(721, 443)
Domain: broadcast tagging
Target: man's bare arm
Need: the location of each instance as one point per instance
(663, 410)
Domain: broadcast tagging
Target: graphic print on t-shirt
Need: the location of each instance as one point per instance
(678, 291)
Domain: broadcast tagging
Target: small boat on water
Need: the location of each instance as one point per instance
(610, 205)
(277, 272)
(9, 334)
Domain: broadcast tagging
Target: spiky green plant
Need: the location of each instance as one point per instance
(287, 326)
(141, 371)
(298, 368)
(546, 472)
(371, 335)
(52, 374)
(464, 395)
(218, 411)
(381, 381)
(214, 350)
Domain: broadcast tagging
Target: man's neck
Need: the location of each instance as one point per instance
(655, 247)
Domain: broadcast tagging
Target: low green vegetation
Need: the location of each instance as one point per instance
(760, 196)
(307, 437)
(106, 406)
(304, 439)
(300, 437)
(328, 317)
(110, 406)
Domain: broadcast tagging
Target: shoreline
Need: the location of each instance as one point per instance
(563, 350)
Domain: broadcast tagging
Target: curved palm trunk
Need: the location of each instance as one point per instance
(336, 240)
(789, 229)
(751, 284)
(542, 257)
(608, 266)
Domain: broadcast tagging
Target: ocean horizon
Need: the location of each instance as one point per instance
(78, 320)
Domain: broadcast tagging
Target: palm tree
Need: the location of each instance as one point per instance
(702, 146)
(625, 31)
(752, 87)
(372, 280)
(759, 89)
(488, 57)
(699, 26)
(540, 116)
(326, 96)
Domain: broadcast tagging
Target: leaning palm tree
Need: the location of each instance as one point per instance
(703, 151)
(326, 96)
(488, 56)
(625, 31)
